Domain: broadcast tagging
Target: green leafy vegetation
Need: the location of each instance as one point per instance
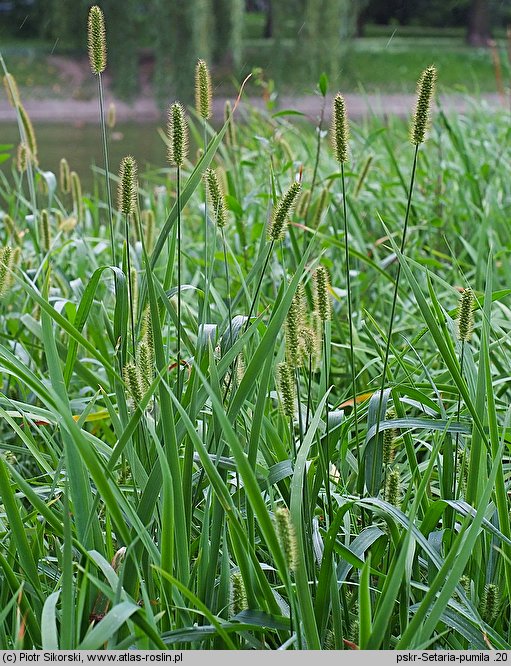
(201, 448)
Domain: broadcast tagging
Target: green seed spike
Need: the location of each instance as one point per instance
(389, 439)
(294, 324)
(421, 118)
(490, 603)
(177, 132)
(128, 186)
(216, 198)
(65, 182)
(5, 266)
(287, 537)
(148, 226)
(76, 194)
(282, 211)
(11, 90)
(133, 382)
(392, 491)
(145, 364)
(340, 130)
(321, 293)
(465, 319)
(286, 386)
(22, 157)
(238, 594)
(29, 133)
(12, 230)
(96, 40)
(203, 90)
(45, 230)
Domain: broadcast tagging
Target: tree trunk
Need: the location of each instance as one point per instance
(479, 31)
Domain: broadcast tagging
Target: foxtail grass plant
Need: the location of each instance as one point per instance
(177, 151)
(96, 38)
(127, 203)
(464, 328)
(203, 106)
(340, 140)
(418, 134)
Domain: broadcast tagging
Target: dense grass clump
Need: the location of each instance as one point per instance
(192, 452)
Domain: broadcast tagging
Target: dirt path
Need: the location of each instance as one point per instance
(81, 106)
(144, 109)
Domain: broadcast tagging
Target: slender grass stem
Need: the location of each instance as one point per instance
(309, 393)
(319, 131)
(323, 455)
(205, 307)
(130, 286)
(350, 316)
(104, 137)
(394, 297)
(299, 403)
(228, 286)
(179, 260)
(455, 489)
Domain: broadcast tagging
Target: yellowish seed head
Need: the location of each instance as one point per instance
(96, 40)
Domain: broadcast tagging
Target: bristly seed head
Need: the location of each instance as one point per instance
(45, 230)
(490, 603)
(128, 185)
(340, 130)
(238, 594)
(393, 488)
(177, 132)
(287, 537)
(321, 294)
(96, 40)
(421, 118)
(133, 382)
(6, 263)
(22, 157)
(286, 386)
(465, 319)
(295, 321)
(282, 211)
(203, 90)
(30, 138)
(216, 198)
(11, 90)
(65, 176)
(389, 438)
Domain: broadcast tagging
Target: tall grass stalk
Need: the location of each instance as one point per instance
(340, 138)
(203, 97)
(177, 152)
(128, 196)
(97, 57)
(425, 90)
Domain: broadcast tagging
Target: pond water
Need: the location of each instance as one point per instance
(82, 147)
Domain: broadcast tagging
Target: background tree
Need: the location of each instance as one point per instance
(327, 27)
(181, 36)
(479, 26)
(228, 32)
(123, 25)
